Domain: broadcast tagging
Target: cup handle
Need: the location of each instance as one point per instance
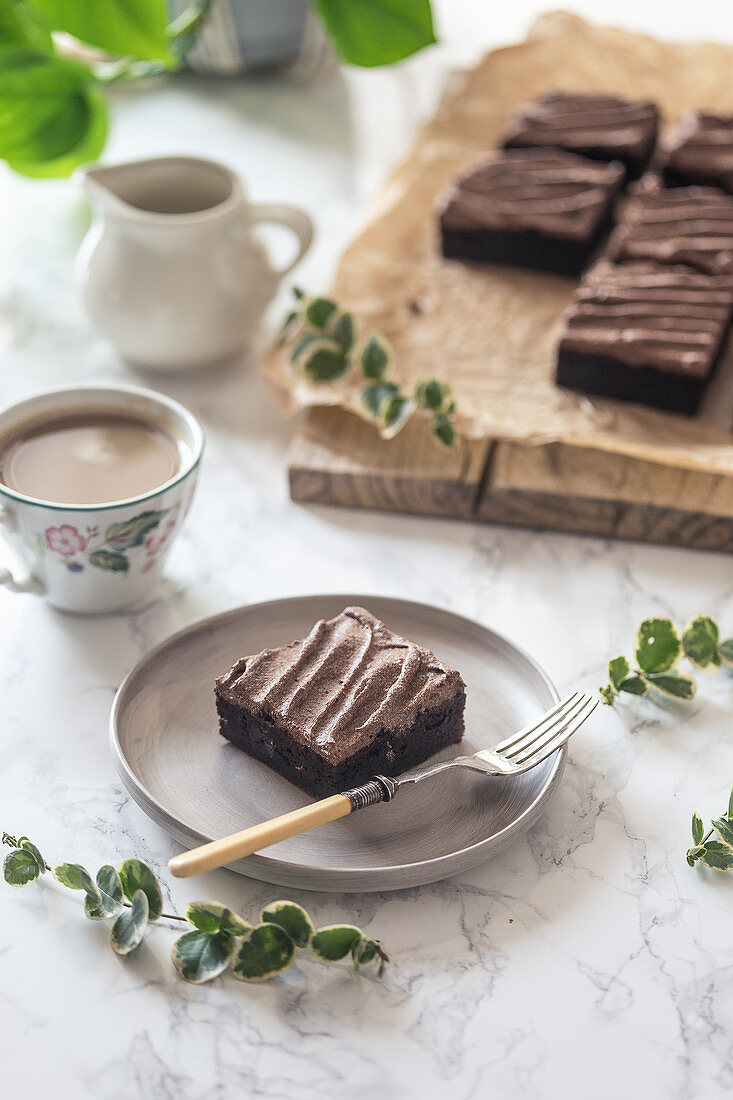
(13, 583)
(293, 218)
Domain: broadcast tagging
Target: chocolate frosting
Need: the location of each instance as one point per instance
(337, 689)
(645, 314)
(571, 120)
(702, 149)
(550, 191)
(677, 225)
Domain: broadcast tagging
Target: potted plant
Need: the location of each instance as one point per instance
(52, 99)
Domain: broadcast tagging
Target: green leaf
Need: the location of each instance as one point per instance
(20, 867)
(730, 805)
(136, 875)
(634, 685)
(673, 684)
(717, 855)
(431, 394)
(700, 642)
(724, 829)
(200, 956)
(110, 889)
(264, 952)
(128, 28)
(377, 32)
(210, 916)
(693, 854)
(123, 536)
(444, 430)
(374, 397)
(292, 918)
(394, 414)
(698, 829)
(343, 331)
(657, 645)
(335, 941)
(608, 695)
(88, 148)
(725, 650)
(690, 858)
(24, 842)
(374, 358)
(318, 311)
(46, 107)
(365, 951)
(302, 343)
(20, 27)
(76, 877)
(129, 928)
(111, 560)
(324, 361)
(618, 669)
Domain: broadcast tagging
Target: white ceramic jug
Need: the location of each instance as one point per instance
(172, 273)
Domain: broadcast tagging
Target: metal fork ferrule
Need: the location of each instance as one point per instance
(380, 788)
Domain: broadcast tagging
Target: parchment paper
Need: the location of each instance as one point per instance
(492, 331)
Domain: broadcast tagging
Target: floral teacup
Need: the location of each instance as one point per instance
(99, 557)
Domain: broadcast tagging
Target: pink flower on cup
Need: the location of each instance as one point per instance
(154, 543)
(64, 540)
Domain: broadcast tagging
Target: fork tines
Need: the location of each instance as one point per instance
(538, 741)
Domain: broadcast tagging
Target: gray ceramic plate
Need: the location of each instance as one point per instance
(197, 786)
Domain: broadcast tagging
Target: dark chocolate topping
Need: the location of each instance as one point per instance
(344, 683)
(703, 149)
(679, 225)
(551, 191)
(645, 314)
(584, 121)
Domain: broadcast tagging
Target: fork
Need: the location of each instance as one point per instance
(514, 756)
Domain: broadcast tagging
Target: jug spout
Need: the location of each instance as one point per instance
(163, 187)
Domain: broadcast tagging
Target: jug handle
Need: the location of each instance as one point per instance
(292, 218)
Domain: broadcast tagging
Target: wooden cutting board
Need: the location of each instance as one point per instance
(599, 468)
(336, 458)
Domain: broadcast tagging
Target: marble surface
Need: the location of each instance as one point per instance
(587, 960)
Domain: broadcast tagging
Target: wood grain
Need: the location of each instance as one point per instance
(335, 458)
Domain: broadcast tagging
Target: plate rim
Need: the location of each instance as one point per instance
(283, 872)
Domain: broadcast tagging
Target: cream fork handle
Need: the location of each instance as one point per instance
(230, 848)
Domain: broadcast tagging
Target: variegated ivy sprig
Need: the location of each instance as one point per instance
(658, 648)
(323, 343)
(131, 897)
(718, 851)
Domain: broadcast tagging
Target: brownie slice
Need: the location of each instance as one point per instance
(645, 332)
(544, 209)
(350, 700)
(681, 225)
(602, 127)
(701, 152)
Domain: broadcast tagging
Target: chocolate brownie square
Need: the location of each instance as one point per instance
(543, 209)
(701, 152)
(351, 700)
(645, 332)
(680, 225)
(603, 127)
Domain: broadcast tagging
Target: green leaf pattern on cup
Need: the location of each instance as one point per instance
(109, 550)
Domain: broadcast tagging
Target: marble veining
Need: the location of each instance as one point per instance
(587, 960)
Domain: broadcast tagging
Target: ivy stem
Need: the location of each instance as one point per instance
(163, 916)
